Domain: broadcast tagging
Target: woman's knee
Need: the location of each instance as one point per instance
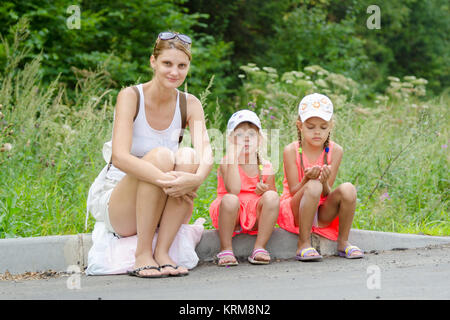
(162, 158)
(186, 160)
(313, 188)
(230, 203)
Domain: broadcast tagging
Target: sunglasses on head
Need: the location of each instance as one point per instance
(170, 35)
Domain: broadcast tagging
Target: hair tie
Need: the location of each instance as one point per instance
(327, 149)
(300, 149)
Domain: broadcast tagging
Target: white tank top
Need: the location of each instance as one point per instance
(145, 138)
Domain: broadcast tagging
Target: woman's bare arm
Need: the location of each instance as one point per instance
(122, 141)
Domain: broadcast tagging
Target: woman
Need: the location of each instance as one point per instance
(156, 180)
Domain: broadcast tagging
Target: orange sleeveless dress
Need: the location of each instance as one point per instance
(248, 200)
(286, 217)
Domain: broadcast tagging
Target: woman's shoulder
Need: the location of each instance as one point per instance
(192, 100)
(194, 107)
(126, 101)
(127, 92)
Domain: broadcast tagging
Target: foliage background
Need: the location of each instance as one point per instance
(59, 85)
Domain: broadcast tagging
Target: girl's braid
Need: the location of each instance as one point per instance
(326, 146)
(299, 134)
(258, 158)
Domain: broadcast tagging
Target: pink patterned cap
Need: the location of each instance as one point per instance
(315, 105)
(243, 116)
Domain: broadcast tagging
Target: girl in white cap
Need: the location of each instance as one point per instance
(310, 167)
(247, 201)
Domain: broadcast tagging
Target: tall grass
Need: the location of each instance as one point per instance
(54, 147)
(395, 150)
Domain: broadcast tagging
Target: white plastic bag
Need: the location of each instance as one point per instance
(107, 151)
(112, 255)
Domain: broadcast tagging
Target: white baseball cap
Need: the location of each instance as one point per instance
(315, 105)
(243, 116)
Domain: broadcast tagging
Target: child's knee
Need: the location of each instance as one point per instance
(313, 188)
(271, 198)
(348, 192)
(230, 203)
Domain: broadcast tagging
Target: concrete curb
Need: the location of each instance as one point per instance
(57, 253)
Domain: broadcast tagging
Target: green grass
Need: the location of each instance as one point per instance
(396, 147)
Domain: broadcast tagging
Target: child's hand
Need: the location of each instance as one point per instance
(312, 173)
(261, 188)
(325, 173)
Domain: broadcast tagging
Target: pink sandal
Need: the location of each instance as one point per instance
(226, 253)
(252, 260)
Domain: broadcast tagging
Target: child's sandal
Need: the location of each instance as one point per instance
(308, 254)
(226, 253)
(252, 257)
(347, 253)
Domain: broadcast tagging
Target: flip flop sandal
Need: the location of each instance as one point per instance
(226, 253)
(174, 267)
(252, 260)
(135, 272)
(305, 255)
(347, 253)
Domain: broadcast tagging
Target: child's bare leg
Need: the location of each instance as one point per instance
(306, 200)
(341, 202)
(228, 219)
(267, 214)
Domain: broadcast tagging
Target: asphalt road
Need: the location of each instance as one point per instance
(402, 274)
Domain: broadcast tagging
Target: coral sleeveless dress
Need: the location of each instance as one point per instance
(248, 200)
(286, 217)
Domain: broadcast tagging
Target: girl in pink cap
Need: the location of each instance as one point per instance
(310, 167)
(247, 201)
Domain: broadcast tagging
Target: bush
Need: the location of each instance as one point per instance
(396, 147)
(118, 36)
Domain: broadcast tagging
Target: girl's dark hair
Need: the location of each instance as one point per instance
(258, 159)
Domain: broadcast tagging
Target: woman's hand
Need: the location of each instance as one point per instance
(189, 197)
(184, 183)
(261, 188)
